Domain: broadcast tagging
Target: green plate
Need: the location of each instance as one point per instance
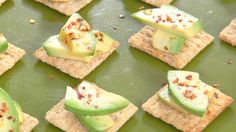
(128, 72)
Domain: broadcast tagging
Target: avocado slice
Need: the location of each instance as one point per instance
(19, 111)
(167, 42)
(9, 120)
(170, 19)
(87, 99)
(165, 96)
(184, 88)
(96, 123)
(3, 43)
(55, 48)
(78, 36)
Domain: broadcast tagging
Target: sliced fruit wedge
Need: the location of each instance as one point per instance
(89, 100)
(78, 36)
(167, 42)
(96, 123)
(184, 88)
(165, 96)
(54, 47)
(170, 19)
(9, 120)
(3, 43)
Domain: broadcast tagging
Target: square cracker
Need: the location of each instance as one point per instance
(185, 121)
(228, 34)
(28, 124)
(158, 3)
(2, 1)
(74, 68)
(143, 41)
(10, 57)
(68, 7)
(67, 121)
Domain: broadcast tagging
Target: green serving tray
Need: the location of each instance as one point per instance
(128, 72)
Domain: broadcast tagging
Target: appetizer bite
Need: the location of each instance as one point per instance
(9, 54)
(158, 3)
(228, 34)
(90, 108)
(67, 7)
(12, 119)
(172, 35)
(78, 49)
(186, 102)
(2, 1)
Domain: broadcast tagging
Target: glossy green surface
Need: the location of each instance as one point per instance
(127, 72)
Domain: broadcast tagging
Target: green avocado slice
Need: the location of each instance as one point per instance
(167, 42)
(9, 120)
(54, 47)
(170, 19)
(96, 123)
(185, 89)
(3, 43)
(87, 99)
(78, 36)
(165, 96)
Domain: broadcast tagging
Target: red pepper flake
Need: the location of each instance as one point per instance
(9, 117)
(88, 102)
(181, 84)
(190, 21)
(73, 23)
(189, 94)
(80, 96)
(90, 95)
(216, 95)
(69, 26)
(206, 92)
(176, 80)
(178, 15)
(159, 19)
(4, 108)
(79, 20)
(168, 18)
(11, 130)
(71, 34)
(189, 77)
